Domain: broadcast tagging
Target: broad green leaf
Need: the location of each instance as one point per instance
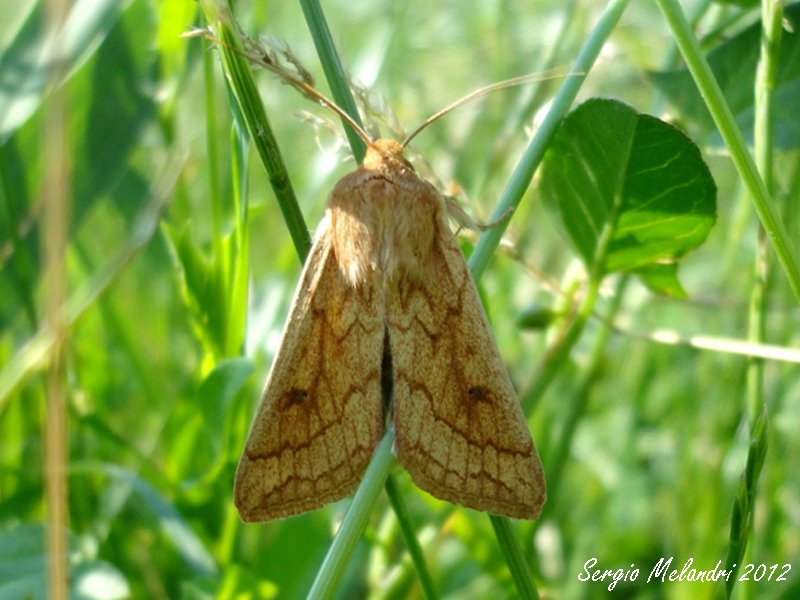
(23, 563)
(18, 281)
(174, 525)
(112, 84)
(25, 67)
(630, 191)
(216, 392)
(734, 66)
(118, 105)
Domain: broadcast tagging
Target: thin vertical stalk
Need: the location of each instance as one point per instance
(342, 95)
(511, 197)
(410, 537)
(744, 504)
(515, 559)
(56, 219)
(772, 17)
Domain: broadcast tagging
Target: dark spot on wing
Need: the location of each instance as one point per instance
(296, 397)
(478, 394)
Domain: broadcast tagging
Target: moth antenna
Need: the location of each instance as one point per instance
(339, 111)
(513, 82)
(466, 222)
(263, 60)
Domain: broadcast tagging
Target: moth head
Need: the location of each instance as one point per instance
(382, 151)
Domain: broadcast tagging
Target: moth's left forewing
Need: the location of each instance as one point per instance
(320, 416)
(459, 428)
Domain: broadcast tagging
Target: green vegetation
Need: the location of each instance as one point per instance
(646, 302)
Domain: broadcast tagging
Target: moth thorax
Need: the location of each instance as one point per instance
(387, 247)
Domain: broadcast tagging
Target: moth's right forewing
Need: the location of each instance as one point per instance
(320, 416)
(459, 429)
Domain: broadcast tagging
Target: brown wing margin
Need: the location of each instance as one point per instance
(459, 429)
(320, 416)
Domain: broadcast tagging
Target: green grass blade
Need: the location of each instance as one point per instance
(512, 552)
(744, 503)
(22, 89)
(334, 72)
(523, 174)
(174, 525)
(354, 523)
(410, 537)
(240, 77)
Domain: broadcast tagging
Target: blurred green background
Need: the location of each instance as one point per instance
(177, 314)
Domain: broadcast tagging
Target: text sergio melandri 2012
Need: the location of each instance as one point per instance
(661, 572)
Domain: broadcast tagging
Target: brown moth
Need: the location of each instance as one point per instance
(387, 318)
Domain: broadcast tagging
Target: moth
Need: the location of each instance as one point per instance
(387, 324)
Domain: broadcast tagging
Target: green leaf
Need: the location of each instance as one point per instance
(23, 564)
(103, 127)
(734, 66)
(25, 66)
(118, 105)
(217, 391)
(662, 279)
(175, 527)
(739, 3)
(240, 583)
(630, 191)
(18, 280)
(196, 278)
(205, 287)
